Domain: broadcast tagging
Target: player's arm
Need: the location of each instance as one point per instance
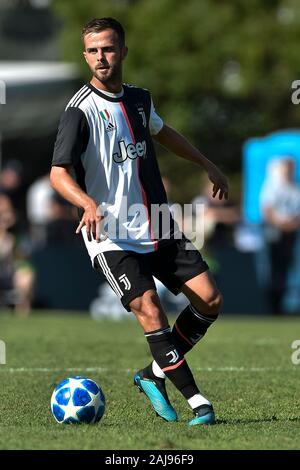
(71, 142)
(62, 181)
(178, 144)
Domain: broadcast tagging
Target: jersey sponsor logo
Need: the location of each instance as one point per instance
(124, 279)
(106, 118)
(130, 151)
(175, 356)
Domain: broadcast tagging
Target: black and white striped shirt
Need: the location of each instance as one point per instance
(107, 140)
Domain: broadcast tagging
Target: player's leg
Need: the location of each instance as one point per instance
(190, 327)
(192, 324)
(131, 280)
(148, 311)
(189, 273)
(204, 308)
(167, 356)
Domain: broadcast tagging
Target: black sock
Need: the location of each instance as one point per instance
(171, 360)
(190, 327)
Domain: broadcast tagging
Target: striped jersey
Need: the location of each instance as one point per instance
(106, 139)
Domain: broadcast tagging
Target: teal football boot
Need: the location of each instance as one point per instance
(204, 414)
(154, 388)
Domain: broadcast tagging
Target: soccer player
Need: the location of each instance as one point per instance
(104, 163)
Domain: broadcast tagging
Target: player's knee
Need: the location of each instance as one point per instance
(151, 314)
(148, 311)
(214, 304)
(211, 304)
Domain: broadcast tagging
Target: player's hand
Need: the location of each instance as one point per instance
(92, 220)
(220, 184)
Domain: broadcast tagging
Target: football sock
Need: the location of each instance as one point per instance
(157, 371)
(198, 400)
(171, 361)
(190, 327)
(195, 401)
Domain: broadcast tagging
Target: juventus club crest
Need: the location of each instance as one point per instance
(124, 279)
(174, 356)
(142, 114)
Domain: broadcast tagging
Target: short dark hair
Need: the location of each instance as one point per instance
(100, 24)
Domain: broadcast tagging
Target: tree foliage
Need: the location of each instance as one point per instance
(220, 72)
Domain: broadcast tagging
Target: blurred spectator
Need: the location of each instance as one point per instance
(175, 208)
(11, 184)
(107, 305)
(39, 201)
(219, 220)
(172, 304)
(16, 276)
(7, 220)
(63, 220)
(280, 205)
(219, 215)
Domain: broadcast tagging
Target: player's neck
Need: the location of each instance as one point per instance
(109, 87)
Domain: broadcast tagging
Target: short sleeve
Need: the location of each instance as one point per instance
(72, 137)
(155, 123)
(268, 196)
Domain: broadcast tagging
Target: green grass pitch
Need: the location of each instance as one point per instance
(243, 366)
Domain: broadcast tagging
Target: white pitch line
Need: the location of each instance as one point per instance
(103, 369)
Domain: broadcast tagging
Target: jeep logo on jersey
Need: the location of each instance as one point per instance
(131, 151)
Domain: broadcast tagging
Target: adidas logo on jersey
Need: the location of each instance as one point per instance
(110, 127)
(105, 115)
(130, 151)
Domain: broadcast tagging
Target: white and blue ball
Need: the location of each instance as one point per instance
(77, 400)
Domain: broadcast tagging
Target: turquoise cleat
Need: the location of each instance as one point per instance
(204, 414)
(155, 390)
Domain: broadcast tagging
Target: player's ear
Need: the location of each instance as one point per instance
(124, 52)
(84, 55)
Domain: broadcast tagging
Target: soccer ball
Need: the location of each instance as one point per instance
(77, 400)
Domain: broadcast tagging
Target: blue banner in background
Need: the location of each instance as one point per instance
(257, 153)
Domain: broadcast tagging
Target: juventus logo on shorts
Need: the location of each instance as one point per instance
(126, 282)
(174, 355)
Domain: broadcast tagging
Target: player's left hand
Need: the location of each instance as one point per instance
(220, 183)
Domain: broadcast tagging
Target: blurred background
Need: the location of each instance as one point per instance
(219, 72)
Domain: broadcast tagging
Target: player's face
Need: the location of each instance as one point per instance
(104, 55)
